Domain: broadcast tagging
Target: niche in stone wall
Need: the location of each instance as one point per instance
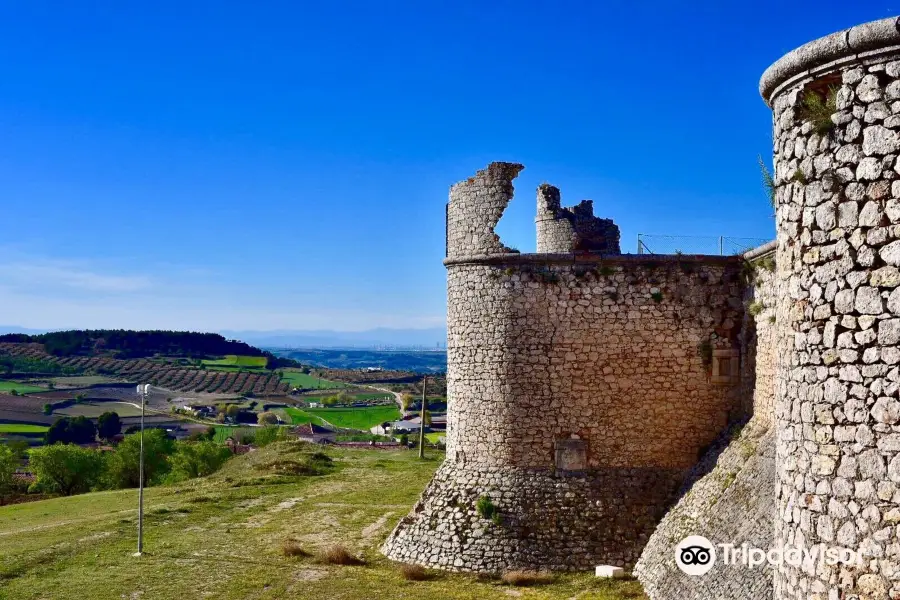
(571, 455)
(726, 366)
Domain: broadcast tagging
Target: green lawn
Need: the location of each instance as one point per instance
(356, 418)
(305, 381)
(221, 537)
(22, 428)
(20, 387)
(233, 360)
(434, 436)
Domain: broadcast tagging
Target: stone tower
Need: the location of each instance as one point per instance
(581, 388)
(836, 117)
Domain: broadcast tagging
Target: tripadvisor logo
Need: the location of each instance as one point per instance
(695, 555)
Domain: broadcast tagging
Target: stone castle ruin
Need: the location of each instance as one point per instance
(604, 406)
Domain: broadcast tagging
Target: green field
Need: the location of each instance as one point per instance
(434, 436)
(356, 418)
(92, 410)
(20, 387)
(305, 381)
(221, 537)
(300, 417)
(224, 432)
(233, 360)
(22, 428)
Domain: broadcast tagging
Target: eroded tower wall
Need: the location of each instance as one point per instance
(573, 229)
(580, 392)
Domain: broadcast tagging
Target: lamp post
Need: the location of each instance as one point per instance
(142, 390)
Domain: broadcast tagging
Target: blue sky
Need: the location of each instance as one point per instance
(234, 165)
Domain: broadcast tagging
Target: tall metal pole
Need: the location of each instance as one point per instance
(143, 390)
(422, 419)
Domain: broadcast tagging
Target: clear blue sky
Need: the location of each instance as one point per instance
(235, 165)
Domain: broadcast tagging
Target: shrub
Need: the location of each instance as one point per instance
(66, 468)
(338, 555)
(755, 308)
(768, 182)
(8, 463)
(818, 108)
(526, 578)
(48, 409)
(487, 509)
(264, 436)
(293, 548)
(123, 465)
(197, 459)
(657, 297)
(414, 572)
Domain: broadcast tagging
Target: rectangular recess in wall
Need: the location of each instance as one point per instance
(726, 366)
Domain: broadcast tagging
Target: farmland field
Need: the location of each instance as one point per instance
(356, 418)
(306, 381)
(224, 432)
(92, 410)
(82, 381)
(300, 417)
(22, 428)
(233, 360)
(20, 387)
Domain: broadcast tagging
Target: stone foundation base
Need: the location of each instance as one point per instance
(544, 520)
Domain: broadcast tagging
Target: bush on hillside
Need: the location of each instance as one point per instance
(196, 459)
(123, 465)
(65, 468)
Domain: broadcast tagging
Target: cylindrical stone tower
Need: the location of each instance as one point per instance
(836, 104)
(581, 388)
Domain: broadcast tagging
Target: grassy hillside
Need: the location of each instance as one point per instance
(221, 537)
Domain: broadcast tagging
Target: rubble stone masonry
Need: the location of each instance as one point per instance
(837, 413)
(581, 389)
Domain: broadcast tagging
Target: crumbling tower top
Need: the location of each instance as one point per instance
(575, 229)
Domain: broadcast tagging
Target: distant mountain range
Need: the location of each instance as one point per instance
(26, 331)
(430, 339)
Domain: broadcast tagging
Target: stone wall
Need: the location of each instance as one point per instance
(729, 497)
(576, 229)
(837, 413)
(581, 390)
(758, 338)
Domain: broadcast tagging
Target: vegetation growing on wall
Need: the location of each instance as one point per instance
(817, 107)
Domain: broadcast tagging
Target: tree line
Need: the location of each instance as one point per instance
(126, 343)
(66, 468)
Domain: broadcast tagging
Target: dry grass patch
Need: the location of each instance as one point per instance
(415, 572)
(293, 548)
(526, 578)
(339, 555)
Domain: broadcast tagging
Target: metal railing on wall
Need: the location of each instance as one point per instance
(720, 245)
